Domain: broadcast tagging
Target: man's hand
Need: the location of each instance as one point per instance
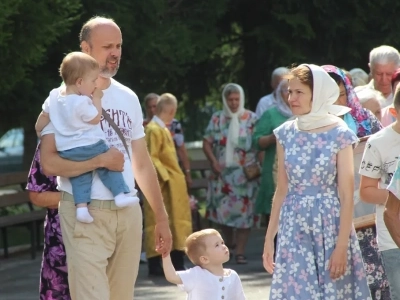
(163, 238)
(113, 160)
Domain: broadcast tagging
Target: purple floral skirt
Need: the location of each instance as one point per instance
(53, 273)
(376, 277)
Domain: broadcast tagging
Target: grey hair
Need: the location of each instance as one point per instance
(364, 94)
(279, 72)
(384, 55)
(229, 89)
(150, 97)
(358, 77)
(84, 35)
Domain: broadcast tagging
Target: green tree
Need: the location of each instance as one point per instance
(282, 32)
(28, 29)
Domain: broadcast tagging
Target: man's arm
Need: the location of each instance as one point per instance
(54, 165)
(146, 177)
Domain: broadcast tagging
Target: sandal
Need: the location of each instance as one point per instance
(241, 259)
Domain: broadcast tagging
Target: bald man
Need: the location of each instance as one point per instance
(103, 256)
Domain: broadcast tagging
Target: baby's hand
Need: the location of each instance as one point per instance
(97, 94)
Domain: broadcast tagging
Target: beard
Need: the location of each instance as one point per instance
(108, 72)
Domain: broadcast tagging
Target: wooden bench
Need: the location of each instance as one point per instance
(202, 167)
(199, 184)
(32, 219)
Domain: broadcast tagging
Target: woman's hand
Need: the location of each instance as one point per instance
(268, 255)
(338, 262)
(216, 168)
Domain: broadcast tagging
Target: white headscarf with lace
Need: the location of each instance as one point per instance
(323, 110)
(234, 126)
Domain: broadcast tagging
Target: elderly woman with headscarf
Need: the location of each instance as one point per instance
(318, 256)
(360, 120)
(231, 195)
(264, 140)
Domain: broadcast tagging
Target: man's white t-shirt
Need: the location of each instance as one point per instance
(70, 115)
(123, 106)
(200, 284)
(379, 161)
(265, 103)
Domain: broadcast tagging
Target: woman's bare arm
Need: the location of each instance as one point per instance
(208, 151)
(345, 169)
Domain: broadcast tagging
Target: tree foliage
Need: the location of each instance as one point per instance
(28, 30)
(189, 48)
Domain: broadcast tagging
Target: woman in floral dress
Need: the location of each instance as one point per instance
(318, 256)
(53, 274)
(227, 145)
(363, 123)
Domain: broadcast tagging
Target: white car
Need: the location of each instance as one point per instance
(12, 150)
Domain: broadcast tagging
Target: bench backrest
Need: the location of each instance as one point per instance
(13, 196)
(202, 166)
(14, 178)
(14, 199)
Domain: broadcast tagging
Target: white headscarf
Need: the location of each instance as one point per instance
(234, 126)
(323, 111)
(281, 105)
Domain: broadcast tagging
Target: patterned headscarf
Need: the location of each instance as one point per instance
(359, 114)
(395, 77)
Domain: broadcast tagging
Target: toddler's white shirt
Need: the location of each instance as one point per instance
(200, 284)
(70, 115)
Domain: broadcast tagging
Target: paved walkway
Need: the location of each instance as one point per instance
(19, 277)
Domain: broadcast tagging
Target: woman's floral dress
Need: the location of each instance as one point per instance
(376, 277)
(309, 220)
(53, 273)
(231, 197)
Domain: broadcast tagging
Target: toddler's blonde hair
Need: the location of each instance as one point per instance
(76, 65)
(165, 100)
(195, 245)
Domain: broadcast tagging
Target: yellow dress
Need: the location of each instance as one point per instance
(173, 188)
